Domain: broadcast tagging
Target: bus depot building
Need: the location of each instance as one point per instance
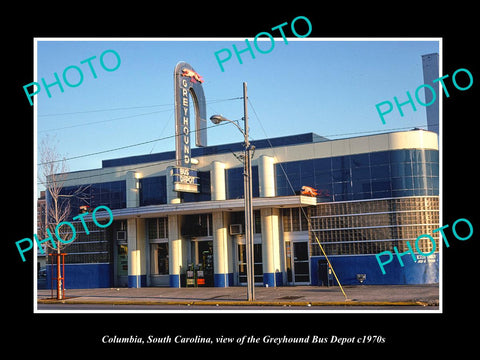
(373, 193)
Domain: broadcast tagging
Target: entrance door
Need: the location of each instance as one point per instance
(257, 264)
(203, 251)
(301, 270)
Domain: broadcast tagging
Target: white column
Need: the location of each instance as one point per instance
(173, 196)
(230, 259)
(137, 268)
(271, 247)
(133, 193)
(217, 181)
(266, 176)
(175, 253)
(220, 250)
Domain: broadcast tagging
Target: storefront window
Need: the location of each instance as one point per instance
(157, 234)
(159, 258)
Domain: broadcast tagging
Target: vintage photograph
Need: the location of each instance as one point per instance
(276, 173)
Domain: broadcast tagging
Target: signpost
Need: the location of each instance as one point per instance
(185, 179)
(188, 83)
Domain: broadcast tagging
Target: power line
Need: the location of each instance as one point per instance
(102, 110)
(132, 145)
(122, 147)
(172, 136)
(118, 171)
(129, 108)
(123, 117)
(103, 121)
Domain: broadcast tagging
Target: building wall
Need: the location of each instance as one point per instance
(380, 174)
(280, 153)
(401, 165)
(82, 276)
(351, 233)
(424, 271)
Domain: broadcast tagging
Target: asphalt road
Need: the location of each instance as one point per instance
(110, 307)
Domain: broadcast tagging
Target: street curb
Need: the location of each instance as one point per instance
(240, 303)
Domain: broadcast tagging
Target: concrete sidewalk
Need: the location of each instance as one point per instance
(368, 295)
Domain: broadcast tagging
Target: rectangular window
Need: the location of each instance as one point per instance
(238, 217)
(197, 225)
(294, 219)
(91, 248)
(153, 191)
(370, 227)
(234, 182)
(157, 234)
(360, 160)
(159, 258)
(111, 194)
(157, 228)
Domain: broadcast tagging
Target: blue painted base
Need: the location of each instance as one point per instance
(137, 281)
(82, 276)
(174, 281)
(424, 271)
(223, 280)
(273, 279)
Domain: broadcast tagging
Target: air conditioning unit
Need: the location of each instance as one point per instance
(236, 229)
(122, 236)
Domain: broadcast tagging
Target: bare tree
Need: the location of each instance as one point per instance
(52, 173)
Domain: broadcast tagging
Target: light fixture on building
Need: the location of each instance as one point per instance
(361, 278)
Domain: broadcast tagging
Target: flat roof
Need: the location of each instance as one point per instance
(217, 149)
(297, 139)
(283, 149)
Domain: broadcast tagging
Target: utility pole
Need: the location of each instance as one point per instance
(247, 186)
(247, 175)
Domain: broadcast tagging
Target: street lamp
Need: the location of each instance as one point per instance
(217, 119)
(247, 183)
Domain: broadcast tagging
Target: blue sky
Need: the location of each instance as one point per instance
(308, 85)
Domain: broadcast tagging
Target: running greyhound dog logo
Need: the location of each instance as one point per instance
(194, 76)
(307, 190)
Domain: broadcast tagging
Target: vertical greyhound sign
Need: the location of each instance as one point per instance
(188, 83)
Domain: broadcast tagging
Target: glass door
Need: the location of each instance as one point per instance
(122, 265)
(257, 264)
(203, 259)
(159, 258)
(301, 269)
